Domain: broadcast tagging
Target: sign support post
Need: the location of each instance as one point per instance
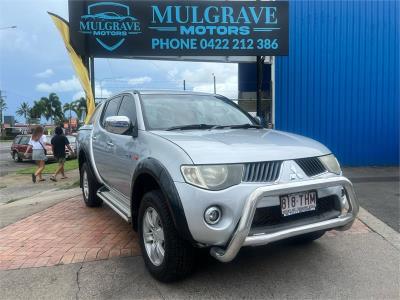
(260, 71)
(92, 77)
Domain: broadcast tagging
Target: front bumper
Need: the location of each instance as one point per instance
(241, 235)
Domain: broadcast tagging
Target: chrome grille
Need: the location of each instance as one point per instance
(311, 166)
(261, 171)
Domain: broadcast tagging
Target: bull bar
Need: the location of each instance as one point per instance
(241, 236)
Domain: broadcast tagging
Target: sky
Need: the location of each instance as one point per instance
(34, 62)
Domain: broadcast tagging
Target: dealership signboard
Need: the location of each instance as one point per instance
(179, 28)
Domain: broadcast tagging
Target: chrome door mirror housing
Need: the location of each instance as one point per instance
(258, 120)
(118, 124)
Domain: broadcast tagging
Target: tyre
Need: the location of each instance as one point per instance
(16, 157)
(307, 238)
(89, 187)
(167, 256)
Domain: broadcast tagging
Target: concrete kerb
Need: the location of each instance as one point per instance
(380, 228)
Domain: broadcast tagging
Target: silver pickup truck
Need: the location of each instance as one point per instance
(193, 170)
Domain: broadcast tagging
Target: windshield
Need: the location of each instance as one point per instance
(162, 112)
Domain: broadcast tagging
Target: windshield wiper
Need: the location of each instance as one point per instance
(191, 127)
(242, 126)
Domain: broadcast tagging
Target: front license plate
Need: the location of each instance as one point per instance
(298, 203)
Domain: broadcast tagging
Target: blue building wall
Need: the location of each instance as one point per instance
(248, 78)
(340, 82)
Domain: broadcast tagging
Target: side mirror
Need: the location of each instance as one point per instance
(258, 120)
(118, 124)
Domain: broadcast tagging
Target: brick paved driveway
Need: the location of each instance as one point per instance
(70, 232)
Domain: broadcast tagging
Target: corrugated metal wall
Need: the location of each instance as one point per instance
(340, 82)
(247, 79)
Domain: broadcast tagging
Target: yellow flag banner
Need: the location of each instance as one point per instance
(77, 62)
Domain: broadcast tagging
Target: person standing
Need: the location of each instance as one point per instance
(59, 142)
(38, 143)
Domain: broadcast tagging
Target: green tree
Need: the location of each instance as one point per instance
(69, 107)
(3, 107)
(51, 108)
(24, 110)
(37, 109)
(80, 107)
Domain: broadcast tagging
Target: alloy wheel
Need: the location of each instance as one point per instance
(153, 236)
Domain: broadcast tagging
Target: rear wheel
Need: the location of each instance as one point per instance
(166, 255)
(16, 157)
(89, 187)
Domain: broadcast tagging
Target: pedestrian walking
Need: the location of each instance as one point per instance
(59, 142)
(38, 143)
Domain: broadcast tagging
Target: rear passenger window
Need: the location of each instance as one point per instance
(128, 108)
(111, 109)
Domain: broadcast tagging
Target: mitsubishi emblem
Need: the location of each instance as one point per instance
(294, 173)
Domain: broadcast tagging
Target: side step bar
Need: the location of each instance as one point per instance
(115, 202)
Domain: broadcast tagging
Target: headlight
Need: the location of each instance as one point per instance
(331, 163)
(213, 177)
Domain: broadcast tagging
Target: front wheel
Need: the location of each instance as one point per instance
(167, 256)
(89, 187)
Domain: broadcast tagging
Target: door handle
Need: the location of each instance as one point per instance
(110, 144)
(94, 138)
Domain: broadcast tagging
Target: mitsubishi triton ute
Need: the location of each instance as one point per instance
(193, 170)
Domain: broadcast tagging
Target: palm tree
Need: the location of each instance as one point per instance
(56, 106)
(80, 107)
(24, 110)
(46, 108)
(51, 108)
(37, 110)
(3, 106)
(71, 108)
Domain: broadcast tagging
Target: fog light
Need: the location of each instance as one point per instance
(212, 215)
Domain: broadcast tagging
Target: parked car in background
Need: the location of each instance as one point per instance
(72, 143)
(20, 144)
(18, 148)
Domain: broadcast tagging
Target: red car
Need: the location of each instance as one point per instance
(20, 145)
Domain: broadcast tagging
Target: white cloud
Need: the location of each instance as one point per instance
(45, 74)
(139, 80)
(78, 95)
(16, 40)
(199, 77)
(100, 92)
(68, 85)
(73, 86)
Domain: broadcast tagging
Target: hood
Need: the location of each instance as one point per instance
(242, 145)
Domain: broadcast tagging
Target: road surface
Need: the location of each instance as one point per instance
(7, 165)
